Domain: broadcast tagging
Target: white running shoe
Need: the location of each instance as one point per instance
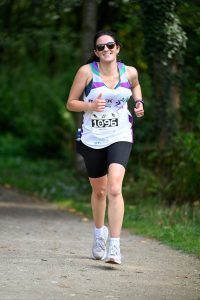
(99, 245)
(114, 255)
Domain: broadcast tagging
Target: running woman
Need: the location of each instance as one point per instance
(107, 136)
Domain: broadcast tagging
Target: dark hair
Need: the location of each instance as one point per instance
(93, 57)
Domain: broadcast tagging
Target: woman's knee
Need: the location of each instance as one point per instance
(99, 193)
(115, 179)
(114, 190)
(99, 187)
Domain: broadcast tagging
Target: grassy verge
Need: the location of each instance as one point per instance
(177, 226)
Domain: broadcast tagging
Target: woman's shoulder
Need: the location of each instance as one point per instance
(84, 72)
(131, 70)
(85, 69)
(132, 73)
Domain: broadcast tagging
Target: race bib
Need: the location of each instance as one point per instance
(104, 121)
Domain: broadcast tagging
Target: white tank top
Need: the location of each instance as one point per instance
(114, 124)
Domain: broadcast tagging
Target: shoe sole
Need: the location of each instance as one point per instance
(113, 261)
(98, 258)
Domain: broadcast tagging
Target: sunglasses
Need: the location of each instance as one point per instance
(109, 45)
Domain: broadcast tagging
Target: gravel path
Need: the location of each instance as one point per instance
(45, 253)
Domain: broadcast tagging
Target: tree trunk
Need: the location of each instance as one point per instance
(6, 24)
(53, 57)
(89, 24)
(165, 57)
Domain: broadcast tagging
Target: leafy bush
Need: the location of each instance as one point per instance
(182, 164)
(11, 146)
(144, 185)
(32, 108)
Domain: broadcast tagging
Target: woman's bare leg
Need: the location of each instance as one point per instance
(98, 199)
(115, 199)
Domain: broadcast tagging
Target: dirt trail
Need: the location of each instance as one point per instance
(45, 254)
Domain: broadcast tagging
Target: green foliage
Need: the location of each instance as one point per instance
(48, 179)
(190, 101)
(37, 66)
(36, 112)
(164, 36)
(141, 184)
(182, 165)
(40, 53)
(129, 27)
(175, 38)
(38, 31)
(11, 146)
(165, 42)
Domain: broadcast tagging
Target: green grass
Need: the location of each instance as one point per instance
(45, 178)
(177, 226)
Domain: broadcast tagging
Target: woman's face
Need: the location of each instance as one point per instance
(106, 48)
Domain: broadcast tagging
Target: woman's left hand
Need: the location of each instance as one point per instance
(139, 110)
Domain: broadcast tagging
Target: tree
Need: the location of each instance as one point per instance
(89, 24)
(165, 43)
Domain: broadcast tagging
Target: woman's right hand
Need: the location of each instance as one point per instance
(98, 104)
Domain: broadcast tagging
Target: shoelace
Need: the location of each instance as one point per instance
(114, 250)
(100, 243)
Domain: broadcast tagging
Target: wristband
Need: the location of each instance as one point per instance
(141, 101)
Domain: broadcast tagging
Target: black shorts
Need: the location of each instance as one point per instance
(97, 161)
